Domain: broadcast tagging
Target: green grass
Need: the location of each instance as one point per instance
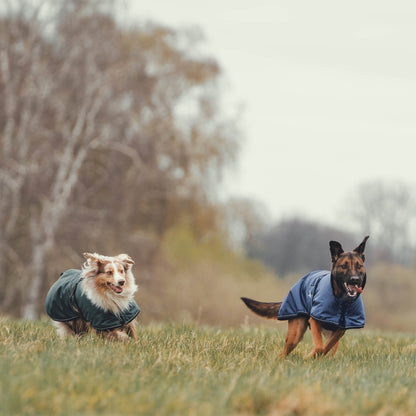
(188, 370)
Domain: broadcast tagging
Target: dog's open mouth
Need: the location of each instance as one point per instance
(352, 290)
(116, 289)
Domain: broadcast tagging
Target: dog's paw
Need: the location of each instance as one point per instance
(317, 352)
(121, 336)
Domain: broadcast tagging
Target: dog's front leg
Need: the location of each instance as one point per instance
(316, 329)
(333, 341)
(113, 334)
(121, 335)
(131, 330)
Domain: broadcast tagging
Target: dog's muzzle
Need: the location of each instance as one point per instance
(353, 287)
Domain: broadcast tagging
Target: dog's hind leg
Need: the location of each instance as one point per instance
(295, 331)
(63, 329)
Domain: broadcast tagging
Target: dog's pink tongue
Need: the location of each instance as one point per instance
(358, 289)
(116, 289)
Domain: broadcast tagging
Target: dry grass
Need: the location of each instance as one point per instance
(188, 370)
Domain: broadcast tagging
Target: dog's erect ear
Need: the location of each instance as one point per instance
(360, 249)
(336, 250)
(126, 260)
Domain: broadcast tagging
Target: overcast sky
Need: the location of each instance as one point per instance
(328, 90)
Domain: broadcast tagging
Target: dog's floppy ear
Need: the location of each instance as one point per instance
(92, 257)
(92, 265)
(360, 249)
(126, 260)
(94, 260)
(336, 250)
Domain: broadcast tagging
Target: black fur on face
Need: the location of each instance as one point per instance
(348, 274)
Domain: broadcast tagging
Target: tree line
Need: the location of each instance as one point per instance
(385, 210)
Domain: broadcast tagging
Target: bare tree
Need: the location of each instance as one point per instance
(103, 133)
(43, 138)
(387, 211)
(22, 104)
(297, 245)
(244, 220)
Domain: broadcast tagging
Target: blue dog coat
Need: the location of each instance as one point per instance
(66, 301)
(312, 296)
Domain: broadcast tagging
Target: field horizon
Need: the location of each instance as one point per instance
(186, 369)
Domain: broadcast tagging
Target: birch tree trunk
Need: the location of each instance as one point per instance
(44, 226)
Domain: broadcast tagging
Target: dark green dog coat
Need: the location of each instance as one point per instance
(66, 301)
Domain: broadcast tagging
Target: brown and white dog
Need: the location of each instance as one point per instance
(99, 297)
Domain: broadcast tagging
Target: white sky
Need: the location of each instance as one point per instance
(328, 89)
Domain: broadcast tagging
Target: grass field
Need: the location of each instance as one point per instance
(188, 370)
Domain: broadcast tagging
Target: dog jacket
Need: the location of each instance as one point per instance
(66, 301)
(312, 296)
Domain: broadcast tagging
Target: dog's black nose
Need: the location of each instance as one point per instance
(354, 280)
(121, 282)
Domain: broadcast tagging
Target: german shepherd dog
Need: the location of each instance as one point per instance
(330, 305)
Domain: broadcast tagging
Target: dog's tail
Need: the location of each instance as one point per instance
(266, 309)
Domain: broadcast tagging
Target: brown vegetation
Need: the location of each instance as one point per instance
(108, 137)
(389, 297)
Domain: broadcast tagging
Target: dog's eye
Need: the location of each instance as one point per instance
(344, 266)
(359, 266)
(109, 272)
(121, 271)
